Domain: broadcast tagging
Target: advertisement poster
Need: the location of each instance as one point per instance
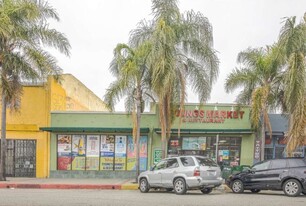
(93, 143)
(120, 153)
(92, 152)
(78, 152)
(202, 143)
(190, 143)
(157, 155)
(143, 152)
(225, 154)
(107, 152)
(64, 152)
(131, 154)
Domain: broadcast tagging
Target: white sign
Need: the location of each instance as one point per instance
(93, 145)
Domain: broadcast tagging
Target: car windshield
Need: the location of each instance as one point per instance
(206, 162)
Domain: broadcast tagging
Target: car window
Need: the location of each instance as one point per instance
(277, 164)
(261, 166)
(187, 161)
(161, 165)
(172, 163)
(297, 162)
(206, 162)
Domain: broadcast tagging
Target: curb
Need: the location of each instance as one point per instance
(59, 186)
(126, 186)
(129, 187)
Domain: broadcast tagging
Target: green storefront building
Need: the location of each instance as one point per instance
(100, 144)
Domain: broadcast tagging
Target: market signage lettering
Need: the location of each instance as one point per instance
(208, 116)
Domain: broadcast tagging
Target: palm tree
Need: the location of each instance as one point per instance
(23, 33)
(260, 78)
(292, 43)
(182, 53)
(133, 82)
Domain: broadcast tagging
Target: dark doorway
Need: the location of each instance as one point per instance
(21, 158)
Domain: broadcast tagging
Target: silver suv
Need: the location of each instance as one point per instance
(181, 174)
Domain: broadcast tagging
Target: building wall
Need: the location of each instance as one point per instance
(240, 125)
(78, 96)
(36, 104)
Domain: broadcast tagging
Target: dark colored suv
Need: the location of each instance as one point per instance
(288, 174)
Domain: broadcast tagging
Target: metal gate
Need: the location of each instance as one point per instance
(21, 158)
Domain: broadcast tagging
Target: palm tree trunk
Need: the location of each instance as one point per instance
(138, 118)
(164, 129)
(3, 139)
(263, 139)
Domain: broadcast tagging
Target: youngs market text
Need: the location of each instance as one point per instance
(208, 116)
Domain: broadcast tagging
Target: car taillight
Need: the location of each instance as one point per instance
(196, 172)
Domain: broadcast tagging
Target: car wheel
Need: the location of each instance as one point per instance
(144, 185)
(206, 190)
(180, 186)
(237, 186)
(292, 188)
(255, 190)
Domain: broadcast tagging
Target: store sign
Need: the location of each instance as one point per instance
(157, 155)
(208, 116)
(257, 150)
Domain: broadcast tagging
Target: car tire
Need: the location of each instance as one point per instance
(255, 190)
(292, 188)
(144, 186)
(304, 193)
(206, 190)
(237, 186)
(179, 186)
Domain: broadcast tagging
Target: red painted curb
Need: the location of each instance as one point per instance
(60, 186)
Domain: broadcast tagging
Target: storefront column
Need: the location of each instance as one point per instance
(217, 142)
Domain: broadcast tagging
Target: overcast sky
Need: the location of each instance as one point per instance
(95, 27)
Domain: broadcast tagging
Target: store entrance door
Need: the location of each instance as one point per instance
(21, 158)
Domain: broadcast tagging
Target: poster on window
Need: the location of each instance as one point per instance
(78, 152)
(202, 143)
(120, 153)
(107, 152)
(131, 154)
(64, 152)
(92, 152)
(143, 153)
(190, 143)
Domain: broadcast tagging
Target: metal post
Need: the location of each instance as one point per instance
(217, 142)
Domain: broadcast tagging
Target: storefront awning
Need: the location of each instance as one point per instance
(207, 131)
(92, 129)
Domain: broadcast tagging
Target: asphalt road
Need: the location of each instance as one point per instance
(35, 197)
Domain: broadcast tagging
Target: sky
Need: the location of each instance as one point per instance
(95, 27)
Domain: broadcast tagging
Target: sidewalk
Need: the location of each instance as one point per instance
(72, 183)
(75, 183)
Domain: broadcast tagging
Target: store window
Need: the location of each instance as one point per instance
(100, 152)
(228, 148)
(269, 153)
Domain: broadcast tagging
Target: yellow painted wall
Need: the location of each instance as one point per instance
(36, 104)
(25, 123)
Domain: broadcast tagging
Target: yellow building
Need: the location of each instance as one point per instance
(28, 147)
